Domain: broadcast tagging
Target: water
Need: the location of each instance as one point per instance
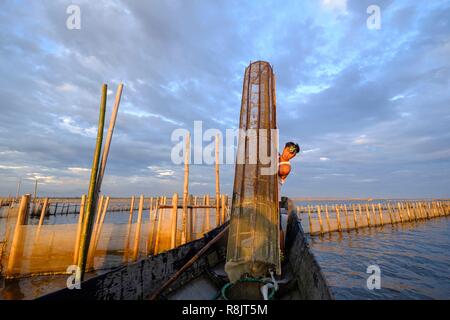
(414, 259)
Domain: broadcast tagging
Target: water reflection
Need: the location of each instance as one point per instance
(414, 259)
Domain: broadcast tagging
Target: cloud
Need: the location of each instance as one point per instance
(374, 102)
(69, 124)
(338, 5)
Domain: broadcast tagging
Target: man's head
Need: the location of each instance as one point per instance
(290, 150)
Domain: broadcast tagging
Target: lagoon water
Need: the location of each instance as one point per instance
(414, 260)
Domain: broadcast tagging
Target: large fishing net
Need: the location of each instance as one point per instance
(253, 242)
(31, 249)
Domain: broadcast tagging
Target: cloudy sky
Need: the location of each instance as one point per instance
(370, 108)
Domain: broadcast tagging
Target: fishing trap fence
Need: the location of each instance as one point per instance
(41, 249)
(321, 219)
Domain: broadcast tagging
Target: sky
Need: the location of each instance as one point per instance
(370, 108)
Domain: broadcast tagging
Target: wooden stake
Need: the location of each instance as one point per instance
(185, 190)
(97, 217)
(400, 212)
(217, 182)
(380, 212)
(207, 218)
(327, 217)
(310, 220)
(390, 213)
(158, 229)
(80, 225)
(320, 219)
(174, 220)
(137, 236)
(127, 238)
(17, 241)
(92, 195)
(408, 212)
(99, 228)
(35, 194)
(338, 219)
(112, 124)
(355, 219)
(374, 214)
(43, 212)
(132, 205)
(347, 224)
(222, 212)
(368, 215)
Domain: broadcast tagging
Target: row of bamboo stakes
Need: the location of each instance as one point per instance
(55, 207)
(88, 232)
(399, 212)
(156, 204)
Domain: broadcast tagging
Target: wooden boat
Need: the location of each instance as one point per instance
(195, 271)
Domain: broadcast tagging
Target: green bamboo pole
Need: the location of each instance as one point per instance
(92, 197)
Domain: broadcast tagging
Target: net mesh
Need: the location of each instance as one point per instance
(253, 242)
(32, 249)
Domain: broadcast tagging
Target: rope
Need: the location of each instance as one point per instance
(266, 286)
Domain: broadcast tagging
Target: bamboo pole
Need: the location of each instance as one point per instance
(35, 194)
(185, 190)
(97, 217)
(338, 219)
(347, 224)
(174, 220)
(193, 217)
(190, 219)
(355, 219)
(380, 212)
(422, 212)
(132, 205)
(310, 220)
(152, 238)
(127, 238)
(417, 212)
(426, 210)
(435, 208)
(222, 211)
(158, 230)
(17, 241)
(207, 218)
(80, 224)
(43, 212)
(112, 124)
(368, 215)
(320, 219)
(400, 212)
(390, 213)
(137, 236)
(217, 182)
(92, 196)
(374, 214)
(408, 211)
(441, 209)
(327, 218)
(99, 229)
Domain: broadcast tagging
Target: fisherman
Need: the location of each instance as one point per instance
(284, 168)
